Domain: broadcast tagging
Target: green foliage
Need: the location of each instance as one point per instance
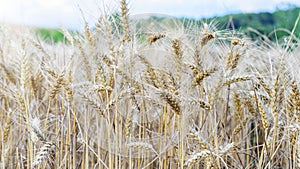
(275, 25)
(115, 20)
(286, 19)
(50, 35)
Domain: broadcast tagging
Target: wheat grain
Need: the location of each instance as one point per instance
(46, 153)
(155, 37)
(125, 20)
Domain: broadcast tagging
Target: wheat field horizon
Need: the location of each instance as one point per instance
(122, 95)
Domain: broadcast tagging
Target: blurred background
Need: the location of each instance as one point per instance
(48, 16)
(56, 13)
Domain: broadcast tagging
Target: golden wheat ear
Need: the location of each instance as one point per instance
(45, 154)
(125, 20)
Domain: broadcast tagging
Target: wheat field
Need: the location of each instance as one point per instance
(163, 97)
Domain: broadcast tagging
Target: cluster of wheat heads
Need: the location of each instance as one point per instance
(164, 96)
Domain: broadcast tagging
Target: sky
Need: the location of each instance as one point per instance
(69, 13)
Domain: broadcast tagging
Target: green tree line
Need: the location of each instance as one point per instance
(276, 25)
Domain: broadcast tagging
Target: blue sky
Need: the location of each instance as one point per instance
(57, 13)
